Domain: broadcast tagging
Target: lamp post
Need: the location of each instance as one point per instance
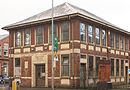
(52, 49)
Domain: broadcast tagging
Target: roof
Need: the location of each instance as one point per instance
(3, 36)
(59, 11)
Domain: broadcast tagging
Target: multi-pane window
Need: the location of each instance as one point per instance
(17, 62)
(103, 34)
(117, 67)
(112, 67)
(97, 64)
(90, 34)
(17, 38)
(97, 36)
(122, 42)
(122, 67)
(65, 31)
(54, 32)
(27, 37)
(90, 61)
(82, 32)
(6, 49)
(111, 39)
(39, 35)
(126, 44)
(65, 65)
(117, 40)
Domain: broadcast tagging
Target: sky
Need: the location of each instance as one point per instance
(116, 12)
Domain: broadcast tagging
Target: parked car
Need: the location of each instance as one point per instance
(6, 79)
(1, 79)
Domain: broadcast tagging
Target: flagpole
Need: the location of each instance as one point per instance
(52, 49)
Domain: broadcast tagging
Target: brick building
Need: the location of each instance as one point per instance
(4, 52)
(83, 40)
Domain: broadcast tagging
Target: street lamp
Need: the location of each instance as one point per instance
(52, 49)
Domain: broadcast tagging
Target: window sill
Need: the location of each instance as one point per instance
(65, 77)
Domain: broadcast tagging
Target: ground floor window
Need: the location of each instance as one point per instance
(65, 65)
(112, 67)
(97, 65)
(122, 67)
(90, 69)
(117, 67)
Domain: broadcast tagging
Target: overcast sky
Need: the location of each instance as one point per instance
(116, 12)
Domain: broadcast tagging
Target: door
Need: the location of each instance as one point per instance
(40, 75)
(82, 75)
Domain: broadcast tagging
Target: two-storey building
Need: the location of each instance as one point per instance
(4, 54)
(83, 40)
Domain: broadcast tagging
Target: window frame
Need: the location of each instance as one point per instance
(103, 40)
(62, 34)
(18, 39)
(97, 36)
(90, 34)
(64, 65)
(83, 30)
(41, 36)
(27, 30)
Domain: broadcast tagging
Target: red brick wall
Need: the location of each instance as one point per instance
(26, 72)
(25, 82)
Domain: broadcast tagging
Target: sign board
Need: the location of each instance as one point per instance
(56, 58)
(128, 71)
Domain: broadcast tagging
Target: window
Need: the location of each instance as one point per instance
(39, 35)
(27, 37)
(117, 67)
(122, 67)
(103, 37)
(65, 31)
(64, 65)
(83, 56)
(90, 34)
(0, 51)
(6, 49)
(17, 38)
(126, 44)
(97, 36)
(54, 33)
(90, 72)
(117, 41)
(111, 39)
(82, 32)
(17, 62)
(122, 42)
(112, 67)
(97, 64)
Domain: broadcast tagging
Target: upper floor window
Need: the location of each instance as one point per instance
(27, 37)
(18, 38)
(111, 39)
(122, 42)
(126, 44)
(90, 34)
(54, 32)
(39, 35)
(97, 36)
(117, 40)
(6, 49)
(103, 33)
(65, 31)
(82, 32)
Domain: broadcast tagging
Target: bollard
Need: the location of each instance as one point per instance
(14, 87)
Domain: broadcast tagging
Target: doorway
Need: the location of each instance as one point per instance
(40, 75)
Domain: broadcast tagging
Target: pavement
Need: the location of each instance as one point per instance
(6, 87)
